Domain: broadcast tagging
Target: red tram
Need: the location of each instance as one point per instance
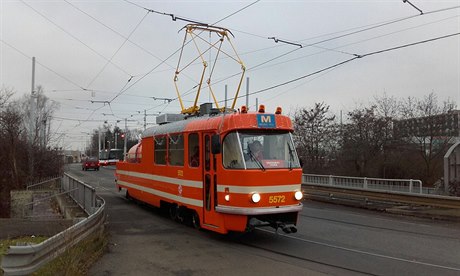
(223, 171)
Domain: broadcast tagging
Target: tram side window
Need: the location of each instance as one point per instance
(160, 150)
(193, 150)
(232, 152)
(176, 150)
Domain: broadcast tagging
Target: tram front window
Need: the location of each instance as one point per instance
(259, 150)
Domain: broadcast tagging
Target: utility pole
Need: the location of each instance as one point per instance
(126, 139)
(99, 142)
(116, 140)
(103, 138)
(32, 122)
(32, 103)
(145, 119)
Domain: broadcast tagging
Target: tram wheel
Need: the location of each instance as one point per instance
(195, 220)
(173, 211)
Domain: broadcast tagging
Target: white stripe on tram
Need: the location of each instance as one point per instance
(170, 180)
(185, 200)
(259, 189)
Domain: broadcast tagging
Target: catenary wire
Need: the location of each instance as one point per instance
(74, 37)
(166, 59)
(116, 52)
(123, 36)
(349, 60)
(43, 65)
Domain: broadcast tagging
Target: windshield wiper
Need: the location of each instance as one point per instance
(291, 156)
(258, 162)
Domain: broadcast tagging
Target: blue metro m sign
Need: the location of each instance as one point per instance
(266, 121)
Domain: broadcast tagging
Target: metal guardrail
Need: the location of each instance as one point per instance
(48, 183)
(384, 196)
(24, 260)
(373, 184)
(83, 194)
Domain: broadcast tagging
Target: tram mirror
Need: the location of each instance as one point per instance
(215, 144)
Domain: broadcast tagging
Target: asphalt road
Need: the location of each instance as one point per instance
(331, 240)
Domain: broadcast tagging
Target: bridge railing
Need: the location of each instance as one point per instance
(366, 183)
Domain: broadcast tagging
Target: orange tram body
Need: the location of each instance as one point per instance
(221, 172)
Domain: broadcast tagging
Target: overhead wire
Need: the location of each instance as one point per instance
(348, 32)
(116, 52)
(373, 26)
(74, 37)
(173, 17)
(378, 25)
(238, 11)
(121, 35)
(360, 29)
(43, 65)
(256, 1)
(349, 60)
(172, 54)
(257, 67)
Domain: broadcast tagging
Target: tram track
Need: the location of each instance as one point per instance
(379, 227)
(299, 258)
(296, 238)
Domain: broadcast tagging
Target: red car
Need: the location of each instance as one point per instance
(90, 163)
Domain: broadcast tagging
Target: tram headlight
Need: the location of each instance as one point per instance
(298, 195)
(227, 195)
(255, 197)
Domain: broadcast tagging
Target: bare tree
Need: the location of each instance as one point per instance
(387, 109)
(363, 139)
(12, 144)
(10, 123)
(42, 117)
(5, 95)
(315, 133)
(423, 126)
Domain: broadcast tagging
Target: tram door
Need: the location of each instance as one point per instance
(209, 182)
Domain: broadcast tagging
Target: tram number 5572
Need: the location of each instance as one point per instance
(277, 199)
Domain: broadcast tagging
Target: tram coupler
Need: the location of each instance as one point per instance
(287, 228)
(254, 222)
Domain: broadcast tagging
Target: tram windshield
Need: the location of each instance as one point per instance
(259, 150)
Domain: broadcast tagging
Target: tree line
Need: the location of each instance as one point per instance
(25, 155)
(388, 138)
(108, 138)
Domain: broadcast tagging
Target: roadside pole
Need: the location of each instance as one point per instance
(125, 140)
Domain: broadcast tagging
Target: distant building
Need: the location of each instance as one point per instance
(442, 125)
(71, 156)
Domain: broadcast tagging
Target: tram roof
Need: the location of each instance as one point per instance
(214, 122)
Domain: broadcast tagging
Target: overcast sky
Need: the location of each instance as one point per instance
(88, 52)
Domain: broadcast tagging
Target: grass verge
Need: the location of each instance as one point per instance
(18, 241)
(78, 259)
(75, 261)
